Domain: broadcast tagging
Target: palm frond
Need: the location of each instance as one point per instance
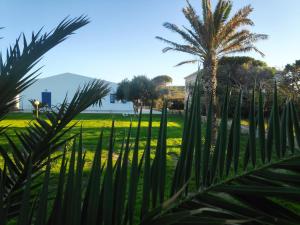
(17, 70)
(247, 193)
(188, 38)
(196, 24)
(187, 62)
(221, 14)
(42, 138)
(178, 47)
(238, 20)
(215, 34)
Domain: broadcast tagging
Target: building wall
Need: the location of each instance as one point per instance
(189, 82)
(67, 84)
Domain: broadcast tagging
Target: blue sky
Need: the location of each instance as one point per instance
(120, 40)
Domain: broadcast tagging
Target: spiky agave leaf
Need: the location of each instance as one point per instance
(108, 183)
(250, 195)
(134, 177)
(191, 142)
(56, 215)
(147, 170)
(41, 212)
(91, 201)
(158, 169)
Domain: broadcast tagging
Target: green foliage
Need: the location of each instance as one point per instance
(142, 91)
(289, 81)
(123, 91)
(162, 80)
(240, 60)
(244, 72)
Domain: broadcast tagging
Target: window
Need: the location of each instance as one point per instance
(112, 98)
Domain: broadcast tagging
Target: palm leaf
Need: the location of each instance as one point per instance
(17, 71)
(41, 138)
(246, 194)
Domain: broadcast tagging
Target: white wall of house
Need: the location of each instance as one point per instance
(67, 84)
(189, 82)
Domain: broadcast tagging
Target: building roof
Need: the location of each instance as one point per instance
(192, 75)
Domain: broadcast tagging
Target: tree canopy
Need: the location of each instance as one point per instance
(244, 72)
(141, 90)
(289, 81)
(162, 80)
(241, 60)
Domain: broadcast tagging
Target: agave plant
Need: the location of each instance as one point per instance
(234, 185)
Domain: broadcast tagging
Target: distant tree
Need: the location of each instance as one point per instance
(295, 67)
(162, 90)
(122, 92)
(212, 36)
(244, 72)
(241, 60)
(289, 80)
(140, 91)
(162, 80)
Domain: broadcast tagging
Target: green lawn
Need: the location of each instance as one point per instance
(93, 124)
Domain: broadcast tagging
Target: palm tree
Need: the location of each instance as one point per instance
(212, 37)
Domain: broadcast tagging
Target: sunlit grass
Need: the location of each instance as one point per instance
(92, 125)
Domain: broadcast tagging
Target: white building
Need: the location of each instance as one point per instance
(189, 83)
(66, 84)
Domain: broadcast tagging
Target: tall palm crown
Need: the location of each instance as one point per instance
(215, 33)
(211, 37)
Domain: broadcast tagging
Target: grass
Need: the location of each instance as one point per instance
(93, 124)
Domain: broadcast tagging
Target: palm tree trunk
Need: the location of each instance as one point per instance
(210, 90)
